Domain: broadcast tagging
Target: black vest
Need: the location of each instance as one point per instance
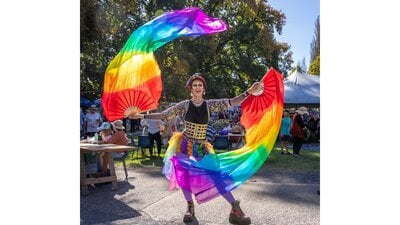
(197, 115)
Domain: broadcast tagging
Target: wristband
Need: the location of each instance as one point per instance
(246, 93)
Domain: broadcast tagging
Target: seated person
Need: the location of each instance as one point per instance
(119, 138)
(105, 134)
(227, 129)
(237, 141)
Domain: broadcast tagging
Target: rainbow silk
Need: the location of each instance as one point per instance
(216, 174)
(133, 78)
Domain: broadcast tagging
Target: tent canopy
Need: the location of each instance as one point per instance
(301, 88)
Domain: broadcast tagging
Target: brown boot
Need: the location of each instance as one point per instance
(237, 216)
(189, 215)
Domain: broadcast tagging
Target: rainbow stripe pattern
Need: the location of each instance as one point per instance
(216, 174)
(132, 81)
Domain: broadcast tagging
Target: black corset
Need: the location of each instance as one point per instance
(197, 114)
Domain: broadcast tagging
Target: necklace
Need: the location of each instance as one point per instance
(197, 103)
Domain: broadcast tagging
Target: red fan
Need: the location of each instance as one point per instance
(130, 101)
(255, 106)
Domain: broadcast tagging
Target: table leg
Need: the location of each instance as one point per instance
(84, 185)
(112, 170)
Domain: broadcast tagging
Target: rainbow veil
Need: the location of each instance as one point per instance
(132, 81)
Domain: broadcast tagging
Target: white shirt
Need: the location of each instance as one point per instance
(93, 121)
(153, 125)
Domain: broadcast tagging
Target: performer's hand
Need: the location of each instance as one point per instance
(256, 88)
(133, 113)
(135, 116)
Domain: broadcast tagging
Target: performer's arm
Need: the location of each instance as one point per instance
(167, 114)
(239, 99)
(154, 116)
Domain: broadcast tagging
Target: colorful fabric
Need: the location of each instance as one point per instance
(216, 174)
(132, 81)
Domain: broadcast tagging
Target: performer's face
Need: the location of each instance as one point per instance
(197, 88)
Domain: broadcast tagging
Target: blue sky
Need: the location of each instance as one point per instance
(298, 31)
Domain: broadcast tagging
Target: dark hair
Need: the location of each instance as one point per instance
(196, 76)
(286, 111)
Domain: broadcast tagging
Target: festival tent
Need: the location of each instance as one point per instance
(301, 89)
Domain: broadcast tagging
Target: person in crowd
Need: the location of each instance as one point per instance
(228, 128)
(298, 130)
(286, 123)
(154, 131)
(210, 133)
(191, 144)
(92, 121)
(167, 132)
(82, 119)
(237, 138)
(313, 126)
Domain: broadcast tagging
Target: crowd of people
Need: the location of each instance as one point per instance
(303, 127)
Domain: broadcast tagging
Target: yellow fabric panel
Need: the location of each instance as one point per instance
(127, 76)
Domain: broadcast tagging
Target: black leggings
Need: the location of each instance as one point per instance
(157, 137)
(297, 143)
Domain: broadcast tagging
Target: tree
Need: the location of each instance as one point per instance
(230, 61)
(315, 51)
(303, 64)
(298, 67)
(314, 67)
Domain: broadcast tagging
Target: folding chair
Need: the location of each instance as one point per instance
(143, 143)
(221, 143)
(122, 157)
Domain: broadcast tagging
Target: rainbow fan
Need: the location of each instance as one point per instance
(132, 81)
(255, 107)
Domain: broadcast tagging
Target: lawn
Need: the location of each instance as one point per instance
(310, 160)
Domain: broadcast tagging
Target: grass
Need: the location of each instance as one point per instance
(310, 160)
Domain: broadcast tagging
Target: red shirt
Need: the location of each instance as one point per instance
(118, 138)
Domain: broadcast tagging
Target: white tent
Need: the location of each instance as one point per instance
(301, 88)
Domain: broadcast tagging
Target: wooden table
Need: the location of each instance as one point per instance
(99, 148)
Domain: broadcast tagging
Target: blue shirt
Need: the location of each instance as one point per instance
(82, 119)
(210, 133)
(285, 126)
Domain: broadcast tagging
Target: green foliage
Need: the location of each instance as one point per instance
(314, 67)
(315, 44)
(315, 51)
(230, 61)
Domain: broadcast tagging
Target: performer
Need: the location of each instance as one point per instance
(132, 84)
(183, 160)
